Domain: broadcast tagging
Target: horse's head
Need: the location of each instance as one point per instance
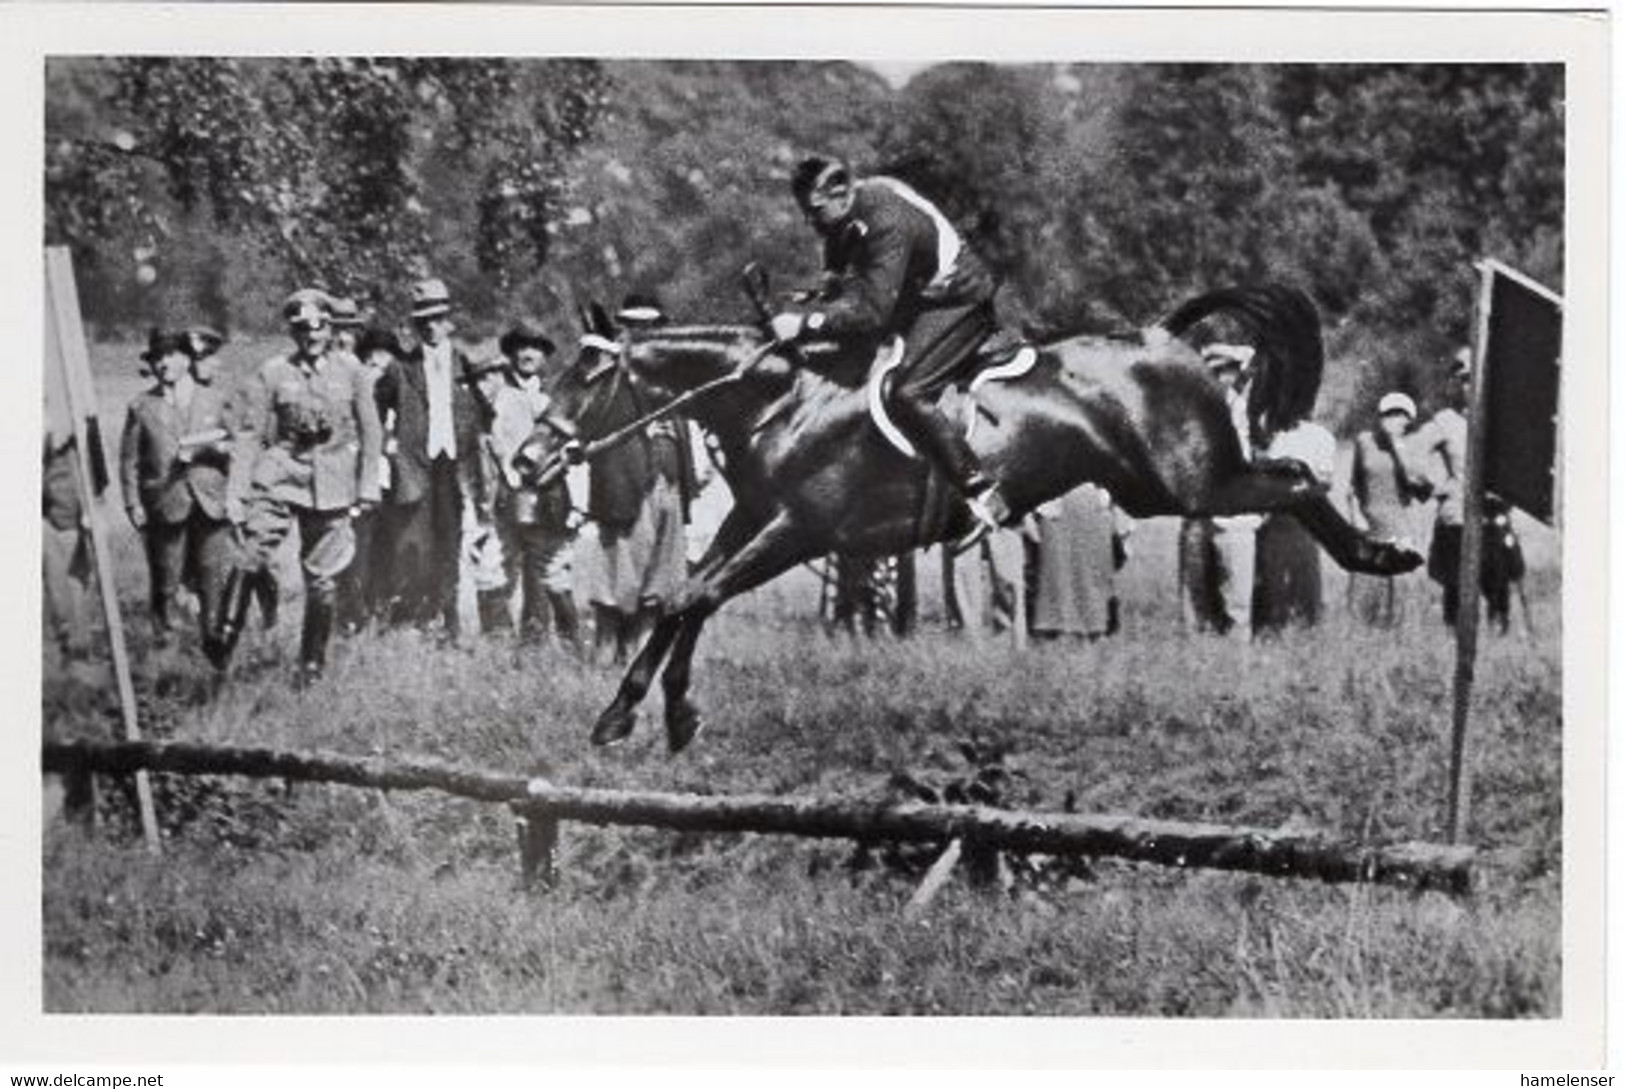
(673, 361)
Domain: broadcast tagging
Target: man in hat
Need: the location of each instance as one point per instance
(365, 584)
(435, 427)
(895, 265)
(525, 534)
(1385, 483)
(1216, 555)
(173, 464)
(317, 444)
(1443, 442)
(638, 494)
(347, 323)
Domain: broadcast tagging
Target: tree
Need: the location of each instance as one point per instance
(319, 163)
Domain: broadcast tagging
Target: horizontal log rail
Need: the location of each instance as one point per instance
(541, 806)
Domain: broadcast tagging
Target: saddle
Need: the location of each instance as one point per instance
(999, 360)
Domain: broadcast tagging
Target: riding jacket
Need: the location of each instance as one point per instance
(892, 258)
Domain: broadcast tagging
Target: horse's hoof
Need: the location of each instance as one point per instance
(1398, 558)
(614, 726)
(683, 724)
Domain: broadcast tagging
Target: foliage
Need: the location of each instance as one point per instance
(1102, 194)
(320, 163)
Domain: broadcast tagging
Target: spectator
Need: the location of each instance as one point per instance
(1216, 554)
(635, 561)
(1286, 582)
(316, 444)
(173, 465)
(1074, 558)
(365, 585)
(434, 425)
(1385, 483)
(1443, 441)
(527, 523)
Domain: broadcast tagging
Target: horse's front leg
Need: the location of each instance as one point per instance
(776, 549)
(618, 720)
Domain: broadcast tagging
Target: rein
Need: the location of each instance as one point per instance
(558, 464)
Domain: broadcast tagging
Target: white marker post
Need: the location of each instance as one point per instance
(65, 348)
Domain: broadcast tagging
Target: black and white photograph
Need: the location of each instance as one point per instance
(746, 527)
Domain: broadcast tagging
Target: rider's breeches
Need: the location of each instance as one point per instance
(938, 348)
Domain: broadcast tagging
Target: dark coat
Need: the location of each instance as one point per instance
(151, 471)
(403, 389)
(620, 478)
(883, 265)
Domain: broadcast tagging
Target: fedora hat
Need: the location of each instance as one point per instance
(430, 299)
(161, 343)
(309, 306)
(375, 339)
(345, 313)
(204, 340)
(525, 334)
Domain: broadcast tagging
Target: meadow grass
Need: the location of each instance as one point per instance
(329, 899)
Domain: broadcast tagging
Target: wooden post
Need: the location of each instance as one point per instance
(1472, 548)
(65, 348)
(538, 830)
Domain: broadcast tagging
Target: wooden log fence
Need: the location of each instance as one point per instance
(541, 807)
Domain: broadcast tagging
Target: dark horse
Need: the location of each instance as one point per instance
(812, 475)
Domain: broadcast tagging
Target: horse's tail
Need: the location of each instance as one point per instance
(1285, 327)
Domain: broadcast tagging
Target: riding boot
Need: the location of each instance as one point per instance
(318, 628)
(268, 594)
(945, 446)
(566, 623)
(235, 600)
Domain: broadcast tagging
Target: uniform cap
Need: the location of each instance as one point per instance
(1396, 402)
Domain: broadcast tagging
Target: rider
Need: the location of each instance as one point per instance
(894, 265)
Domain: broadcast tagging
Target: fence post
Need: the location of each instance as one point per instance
(538, 828)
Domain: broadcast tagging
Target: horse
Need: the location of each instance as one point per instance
(811, 473)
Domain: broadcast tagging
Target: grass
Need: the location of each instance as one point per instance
(318, 899)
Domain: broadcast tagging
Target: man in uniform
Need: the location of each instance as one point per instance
(895, 265)
(315, 448)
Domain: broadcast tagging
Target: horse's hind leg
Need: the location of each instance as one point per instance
(780, 546)
(617, 721)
